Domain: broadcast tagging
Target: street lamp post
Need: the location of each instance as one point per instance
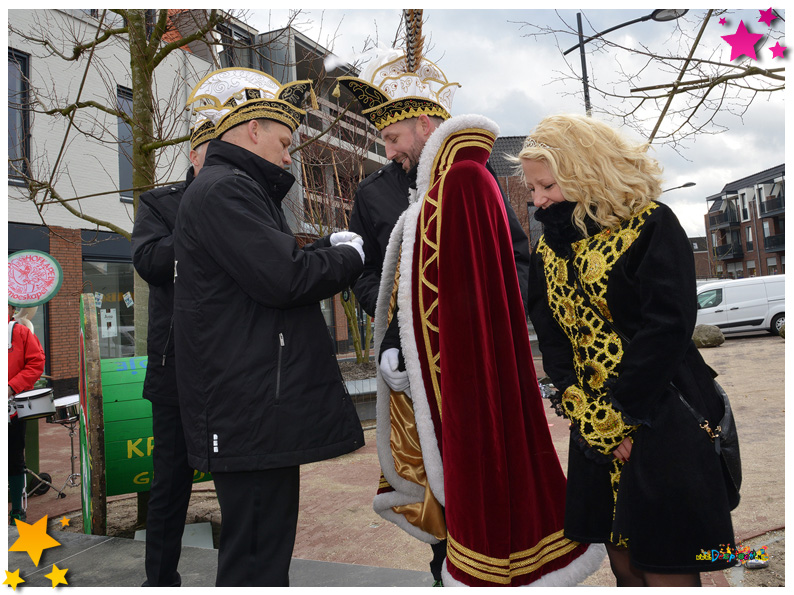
(687, 185)
(659, 15)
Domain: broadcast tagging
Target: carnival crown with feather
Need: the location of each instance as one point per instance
(397, 85)
(231, 96)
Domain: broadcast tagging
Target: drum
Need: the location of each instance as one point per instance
(33, 404)
(67, 410)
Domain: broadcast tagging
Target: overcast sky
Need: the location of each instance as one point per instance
(516, 80)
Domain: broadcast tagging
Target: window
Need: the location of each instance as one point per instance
(124, 98)
(767, 229)
(751, 268)
(112, 284)
(743, 206)
(771, 265)
(237, 47)
(710, 298)
(749, 232)
(18, 115)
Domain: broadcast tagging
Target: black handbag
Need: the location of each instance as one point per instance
(726, 444)
(724, 436)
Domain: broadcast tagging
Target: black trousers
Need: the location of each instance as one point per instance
(16, 446)
(168, 499)
(439, 555)
(259, 512)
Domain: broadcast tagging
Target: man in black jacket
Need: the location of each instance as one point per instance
(153, 258)
(260, 389)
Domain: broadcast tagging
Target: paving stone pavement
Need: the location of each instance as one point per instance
(337, 526)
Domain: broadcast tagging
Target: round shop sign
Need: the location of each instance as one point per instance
(34, 278)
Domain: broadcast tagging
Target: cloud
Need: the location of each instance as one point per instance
(517, 80)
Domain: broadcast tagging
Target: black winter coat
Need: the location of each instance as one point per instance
(380, 200)
(671, 501)
(153, 258)
(259, 384)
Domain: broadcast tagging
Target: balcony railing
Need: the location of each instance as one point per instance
(773, 206)
(728, 251)
(722, 219)
(775, 243)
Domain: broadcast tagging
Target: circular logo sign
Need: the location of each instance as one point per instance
(34, 278)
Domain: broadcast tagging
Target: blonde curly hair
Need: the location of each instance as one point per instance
(609, 177)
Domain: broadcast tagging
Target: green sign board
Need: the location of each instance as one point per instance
(121, 440)
(128, 427)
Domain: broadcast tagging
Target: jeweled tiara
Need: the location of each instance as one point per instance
(531, 143)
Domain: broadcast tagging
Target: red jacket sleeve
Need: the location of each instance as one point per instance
(29, 360)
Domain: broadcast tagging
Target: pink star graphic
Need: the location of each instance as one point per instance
(767, 17)
(742, 42)
(722, 21)
(777, 50)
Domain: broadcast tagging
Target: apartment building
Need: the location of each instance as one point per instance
(746, 225)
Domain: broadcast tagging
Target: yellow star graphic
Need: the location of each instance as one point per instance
(57, 576)
(64, 522)
(13, 579)
(33, 539)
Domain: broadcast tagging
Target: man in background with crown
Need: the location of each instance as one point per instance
(259, 386)
(466, 455)
(153, 258)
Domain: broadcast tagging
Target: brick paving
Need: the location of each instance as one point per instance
(337, 523)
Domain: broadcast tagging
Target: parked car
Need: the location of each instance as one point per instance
(740, 305)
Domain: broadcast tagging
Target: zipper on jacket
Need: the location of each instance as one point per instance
(278, 370)
(168, 339)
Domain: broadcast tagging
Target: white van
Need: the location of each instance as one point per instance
(753, 304)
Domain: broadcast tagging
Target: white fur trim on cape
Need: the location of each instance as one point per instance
(437, 140)
(383, 506)
(404, 236)
(568, 576)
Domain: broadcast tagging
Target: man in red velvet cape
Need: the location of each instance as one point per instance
(465, 452)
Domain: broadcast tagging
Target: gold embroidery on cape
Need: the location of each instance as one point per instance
(430, 237)
(504, 570)
(597, 350)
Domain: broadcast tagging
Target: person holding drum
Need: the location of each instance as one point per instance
(25, 367)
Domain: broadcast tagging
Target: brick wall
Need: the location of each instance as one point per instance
(64, 315)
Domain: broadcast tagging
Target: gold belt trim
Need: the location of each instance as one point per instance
(504, 570)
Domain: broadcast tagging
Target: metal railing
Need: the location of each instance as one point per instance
(777, 242)
(773, 204)
(726, 218)
(728, 251)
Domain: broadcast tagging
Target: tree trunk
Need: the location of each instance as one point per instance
(143, 171)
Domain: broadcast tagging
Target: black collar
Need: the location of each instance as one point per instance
(559, 229)
(273, 179)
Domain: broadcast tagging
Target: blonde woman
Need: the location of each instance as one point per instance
(612, 299)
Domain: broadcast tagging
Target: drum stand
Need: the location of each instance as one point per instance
(74, 478)
(44, 479)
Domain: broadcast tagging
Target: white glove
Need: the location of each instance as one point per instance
(340, 237)
(389, 361)
(357, 243)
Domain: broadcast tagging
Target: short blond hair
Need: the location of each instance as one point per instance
(609, 177)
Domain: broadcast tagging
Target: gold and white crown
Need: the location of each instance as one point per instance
(231, 96)
(203, 128)
(400, 84)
